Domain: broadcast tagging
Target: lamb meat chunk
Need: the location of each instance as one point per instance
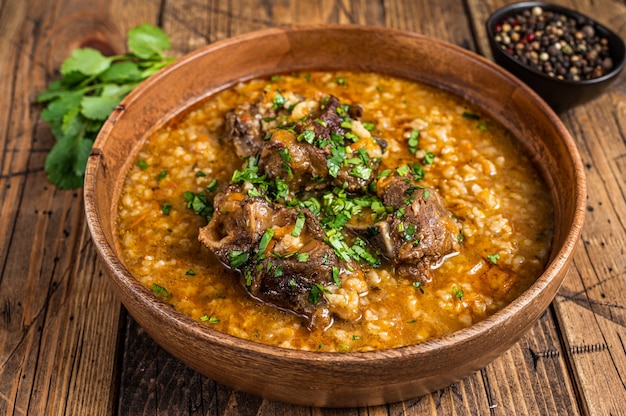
(298, 163)
(244, 128)
(281, 258)
(313, 153)
(421, 232)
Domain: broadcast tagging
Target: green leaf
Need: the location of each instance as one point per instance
(98, 108)
(65, 164)
(54, 113)
(122, 72)
(115, 90)
(146, 41)
(55, 90)
(87, 61)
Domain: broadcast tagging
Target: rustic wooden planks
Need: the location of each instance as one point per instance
(67, 347)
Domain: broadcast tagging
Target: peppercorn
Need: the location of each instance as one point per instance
(555, 44)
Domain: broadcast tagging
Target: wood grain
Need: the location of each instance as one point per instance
(59, 321)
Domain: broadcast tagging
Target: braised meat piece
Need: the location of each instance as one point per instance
(246, 125)
(282, 259)
(420, 233)
(328, 147)
(244, 128)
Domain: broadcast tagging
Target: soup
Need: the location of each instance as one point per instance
(334, 212)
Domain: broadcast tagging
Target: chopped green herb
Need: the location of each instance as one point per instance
(316, 293)
(459, 237)
(166, 208)
(335, 274)
(493, 258)
(297, 229)
(161, 175)
(200, 174)
(279, 101)
(200, 204)
(457, 292)
(403, 170)
(361, 171)
(320, 122)
(471, 116)
(265, 240)
(284, 154)
(190, 272)
(143, 165)
(368, 126)
(161, 292)
(384, 173)
(278, 271)
(338, 154)
(482, 127)
(307, 135)
(346, 124)
(429, 157)
(236, 258)
(302, 257)
(292, 283)
(418, 285)
(210, 319)
(212, 186)
(418, 171)
(413, 140)
(355, 337)
(341, 81)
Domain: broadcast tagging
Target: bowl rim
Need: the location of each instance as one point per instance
(506, 11)
(558, 259)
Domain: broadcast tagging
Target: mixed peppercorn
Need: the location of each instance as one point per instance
(560, 46)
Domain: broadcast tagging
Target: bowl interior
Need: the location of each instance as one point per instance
(327, 379)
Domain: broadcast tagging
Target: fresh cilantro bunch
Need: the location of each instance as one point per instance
(90, 88)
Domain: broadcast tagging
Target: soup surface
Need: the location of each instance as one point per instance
(491, 200)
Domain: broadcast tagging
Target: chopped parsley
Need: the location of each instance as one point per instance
(413, 141)
(335, 275)
(210, 319)
(493, 258)
(190, 272)
(166, 208)
(265, 240)
(458, 293)
(237, 258)
(200, 204)
(212, 186)
(429, 157)
(316, 293)
(161, 176)
(471, 116)
(143, 165)
(161, 292)
(297, 229)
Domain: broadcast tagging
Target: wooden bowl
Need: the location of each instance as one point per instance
(334, 379)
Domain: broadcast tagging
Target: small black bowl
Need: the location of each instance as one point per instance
(560, 94)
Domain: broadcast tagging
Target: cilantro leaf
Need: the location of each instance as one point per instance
(98, 108)
(147, 41)
(86, 61)
(90, 88)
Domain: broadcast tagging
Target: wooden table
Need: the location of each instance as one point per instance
(67, 346)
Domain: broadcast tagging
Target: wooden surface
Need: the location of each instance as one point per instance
(68, 347)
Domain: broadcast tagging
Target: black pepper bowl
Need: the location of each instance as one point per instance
(560, 94)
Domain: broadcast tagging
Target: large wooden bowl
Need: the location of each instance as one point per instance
(335, 379)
